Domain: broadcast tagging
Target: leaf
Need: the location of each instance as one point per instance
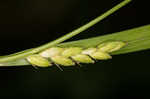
(137, 39)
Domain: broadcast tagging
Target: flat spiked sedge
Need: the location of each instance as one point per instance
(68, 56)
(45, 55)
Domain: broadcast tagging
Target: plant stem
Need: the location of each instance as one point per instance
(65, 37)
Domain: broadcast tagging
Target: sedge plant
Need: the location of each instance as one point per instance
(135, 39)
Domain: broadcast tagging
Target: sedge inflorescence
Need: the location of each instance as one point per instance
(72, 55)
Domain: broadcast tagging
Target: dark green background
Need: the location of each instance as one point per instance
(29, 23)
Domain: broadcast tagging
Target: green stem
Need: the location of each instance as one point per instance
(65, 37)
(84, 27)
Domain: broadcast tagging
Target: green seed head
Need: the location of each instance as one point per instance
(99, 55)
(38, 61)
(89, 51)
(51, 52)
(111, 46)
(68, 52)
(81, 58)
(61, 60)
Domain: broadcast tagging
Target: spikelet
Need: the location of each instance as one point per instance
(81, 58)
(39, 61)
(51, 52)
(96, 54)
(89, 51)
(61, 60)
(99, 55)
(111, 46)
(68, 52)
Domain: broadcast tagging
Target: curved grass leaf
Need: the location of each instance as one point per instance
(137, 39)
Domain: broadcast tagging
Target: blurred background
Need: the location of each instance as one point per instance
(29, 23)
